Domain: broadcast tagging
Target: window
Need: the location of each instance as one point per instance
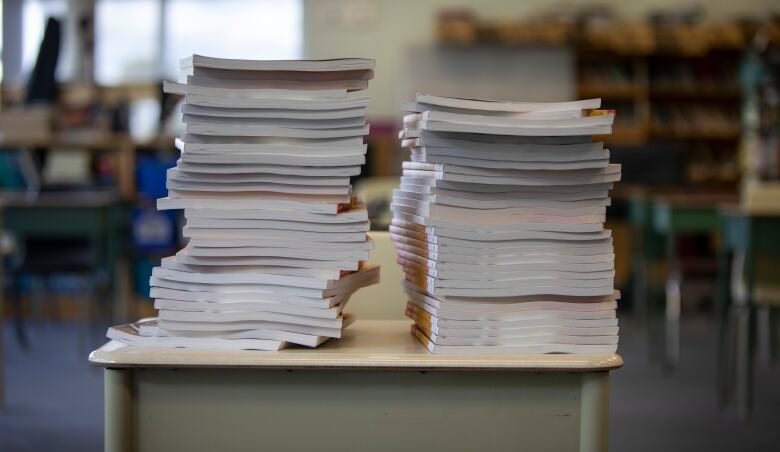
(35, 13)
(2, 71)
(127, 41)
(268, 29)
(130, 46)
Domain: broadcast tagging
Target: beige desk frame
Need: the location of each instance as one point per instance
(375, 389)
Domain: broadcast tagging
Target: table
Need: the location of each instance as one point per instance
(671, 216)
(375, 389)
(747, 236)
(97, 216)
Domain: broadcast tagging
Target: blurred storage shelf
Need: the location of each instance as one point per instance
(695, 92)
(689, 40)
(122, 146)
(667, 82)
(699, 133)
(94, 142)
(626, 135)
(611, 90)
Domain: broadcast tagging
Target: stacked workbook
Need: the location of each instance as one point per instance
(276, 239)
(499, 226)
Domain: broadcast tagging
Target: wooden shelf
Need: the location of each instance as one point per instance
(618, 90)
(122, 146)
(625, 135)
(103, 143)
(705, 92)
(158, 142)
(90, 198)
(108, 142)
(700, 133)
(649, 71)
(615, 37)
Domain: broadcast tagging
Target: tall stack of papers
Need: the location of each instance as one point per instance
(276, 239)
(499, 226)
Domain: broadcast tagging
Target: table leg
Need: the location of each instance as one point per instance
(773, 334)
(640, 286)
(594, 412)
(119, 414)
(727, 357)
(673, 306)
(744, 361)
(745, 338)
(764, 334)
(725, 323)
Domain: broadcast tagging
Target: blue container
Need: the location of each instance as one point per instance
(154, 230)
(150, 173)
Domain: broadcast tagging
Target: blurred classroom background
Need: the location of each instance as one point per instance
(86, 136)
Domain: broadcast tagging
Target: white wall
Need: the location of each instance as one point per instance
(388, 30)
(526, 73)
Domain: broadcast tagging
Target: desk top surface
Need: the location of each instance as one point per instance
(367, 344)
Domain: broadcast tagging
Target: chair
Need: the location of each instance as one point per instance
(748, 276)
(40, 258)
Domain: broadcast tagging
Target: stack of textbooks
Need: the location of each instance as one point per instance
(277, 241)
(499, 226)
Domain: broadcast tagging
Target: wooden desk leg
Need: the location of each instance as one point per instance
(594, 412)
(119, 415)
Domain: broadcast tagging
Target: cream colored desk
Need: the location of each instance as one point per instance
(375, 389)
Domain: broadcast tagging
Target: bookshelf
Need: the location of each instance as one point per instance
(84, 118)
(664, 97)
(91, 120)
(672, 85)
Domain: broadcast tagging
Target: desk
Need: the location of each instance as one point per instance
(375, 389)
(96, 216)
(747, 235)
(672, 215)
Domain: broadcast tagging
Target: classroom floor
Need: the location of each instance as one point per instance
(54, 398)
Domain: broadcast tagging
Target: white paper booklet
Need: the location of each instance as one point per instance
(130, 334)
(277, 241)
(498, 225)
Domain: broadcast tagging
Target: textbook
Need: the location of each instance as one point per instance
(498, 225)
(277, 242)
(329, 66)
